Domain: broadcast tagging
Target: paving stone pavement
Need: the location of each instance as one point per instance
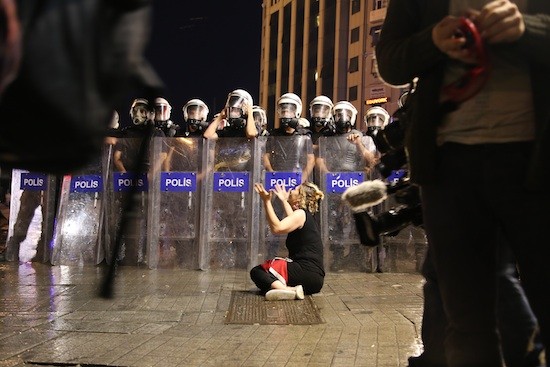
(53, 316)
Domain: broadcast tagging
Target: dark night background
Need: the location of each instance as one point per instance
(204, 49)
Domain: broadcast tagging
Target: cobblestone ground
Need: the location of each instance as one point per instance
(53, 316)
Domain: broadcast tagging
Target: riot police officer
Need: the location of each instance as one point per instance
(289, 110)
(195, 115)
(345, 155)
(126, 150)
(163, 111)
(238, 113)
(320, 114)
(260, 118)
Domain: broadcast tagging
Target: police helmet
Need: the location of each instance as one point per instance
(139, 111)
(260, 116)
(345, 112)
(162, 109)
(321, 107)
(195, 109)
(377, 117)
(236, 100)
(289, 103)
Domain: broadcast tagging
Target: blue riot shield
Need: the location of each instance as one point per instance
(32, 216)
(287, 161)
(175, 204)
(341, 165)
(230, 205)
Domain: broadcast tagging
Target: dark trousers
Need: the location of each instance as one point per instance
(311, 281)
(478, 195)
(515, 320)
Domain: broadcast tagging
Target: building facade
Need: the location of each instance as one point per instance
(323, 47)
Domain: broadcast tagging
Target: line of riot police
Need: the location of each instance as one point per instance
(356, 152)
(327, 119)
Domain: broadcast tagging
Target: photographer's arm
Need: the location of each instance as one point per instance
(502, 22)
(405, 49)
(536, 38)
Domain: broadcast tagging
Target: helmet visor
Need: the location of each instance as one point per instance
(375, 120)
(162, 112)
(343, 115)
(319, 110)
(259, 118)
(196, 112)
(286, 110)
(235, 101)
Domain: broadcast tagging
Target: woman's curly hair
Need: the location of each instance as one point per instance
(311, 196)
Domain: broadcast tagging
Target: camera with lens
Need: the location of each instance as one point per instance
(388, 134)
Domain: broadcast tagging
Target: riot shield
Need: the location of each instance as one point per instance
(122, 187)
(340, 165)
(32, 216)
(288, 161)
(404, 251)
(228, 230)
(79, 218)
(175, 205)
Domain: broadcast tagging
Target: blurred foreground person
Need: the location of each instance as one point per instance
(478, 144)
(78, 60)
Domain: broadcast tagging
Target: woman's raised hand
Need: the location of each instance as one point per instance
(281, 192)
(264, 194)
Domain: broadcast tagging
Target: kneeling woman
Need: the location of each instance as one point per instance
(302, 272)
